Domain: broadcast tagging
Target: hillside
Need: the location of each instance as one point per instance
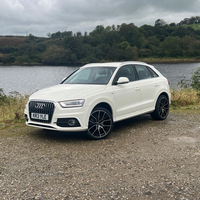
(11, 41)
(194, 26)
(111, 43)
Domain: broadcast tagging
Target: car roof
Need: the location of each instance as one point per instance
(115, 64)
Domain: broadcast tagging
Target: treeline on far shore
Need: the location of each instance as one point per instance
(112, 43)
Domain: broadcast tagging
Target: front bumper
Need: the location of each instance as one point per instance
(63, 119)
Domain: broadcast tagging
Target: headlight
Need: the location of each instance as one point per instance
(72, 103)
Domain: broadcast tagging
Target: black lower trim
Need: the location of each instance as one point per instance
(26, 117)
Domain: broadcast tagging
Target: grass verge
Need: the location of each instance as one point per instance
(185, 100)
(11, 108)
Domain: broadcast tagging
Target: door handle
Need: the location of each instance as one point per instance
(137, 88)
(156, 85)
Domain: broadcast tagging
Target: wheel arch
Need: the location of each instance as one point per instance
(106, 106)
(161, 108)
(163, 93)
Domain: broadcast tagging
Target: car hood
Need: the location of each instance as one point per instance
(66, 92)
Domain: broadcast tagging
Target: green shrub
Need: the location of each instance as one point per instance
(195, 79)
(193, 83)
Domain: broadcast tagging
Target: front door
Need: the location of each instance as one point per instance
(127, 95)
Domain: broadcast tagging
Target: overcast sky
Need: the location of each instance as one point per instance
(39, 17)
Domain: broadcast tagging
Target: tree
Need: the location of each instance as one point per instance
(152, 41)
(49, 35)
(195, 83)
(188, 45)
(143, 53)
(160, 23)
(130, 33)
(102, 51)
(31, 37)
(141, 42)
(124, 45)
(113, 28)
(98, 30)
(180, 32)
(41, 47)
(67, 34)
(78, 34)
(147, 30)
(132, 53)
(75, 45)
(56, 35)
(108, 28)
(55, 55)
(172, 24)
(91, 40)
(171, 47)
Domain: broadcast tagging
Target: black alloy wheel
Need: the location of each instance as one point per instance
(162, 108)
(100, 123)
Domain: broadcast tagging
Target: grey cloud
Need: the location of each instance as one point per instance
(42, 16)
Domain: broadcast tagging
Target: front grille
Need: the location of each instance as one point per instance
(41, 107)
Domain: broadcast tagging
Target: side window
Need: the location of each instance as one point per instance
(143, 72)
(152, 72)
(125, 71)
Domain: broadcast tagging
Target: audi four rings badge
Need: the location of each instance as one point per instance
(40, 105)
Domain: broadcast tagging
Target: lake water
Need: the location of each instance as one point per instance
(28, 79)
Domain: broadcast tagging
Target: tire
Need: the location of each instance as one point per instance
(100, 124)
(162, 108)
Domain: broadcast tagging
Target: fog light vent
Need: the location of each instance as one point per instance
(68, 122)
(71, 122)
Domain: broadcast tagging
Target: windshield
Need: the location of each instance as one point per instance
(91, 75)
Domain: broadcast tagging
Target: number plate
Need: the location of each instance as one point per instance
(40, 116)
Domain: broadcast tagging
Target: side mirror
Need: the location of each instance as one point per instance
(123, 80)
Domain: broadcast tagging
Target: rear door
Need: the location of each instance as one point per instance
(149, 83)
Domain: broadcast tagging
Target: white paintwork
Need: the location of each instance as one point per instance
(125, 100)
